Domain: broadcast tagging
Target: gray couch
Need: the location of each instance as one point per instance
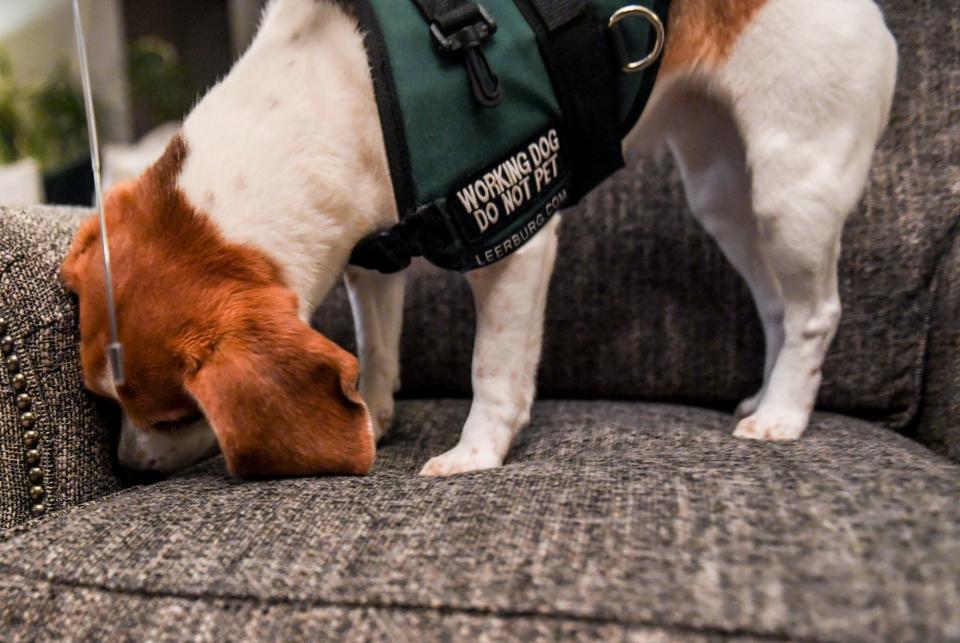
(625, 511)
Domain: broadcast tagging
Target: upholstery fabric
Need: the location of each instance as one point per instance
(607, 518)
(217, 620)
(612, 520)
(939, 424)
(643, 305)
(74, 444)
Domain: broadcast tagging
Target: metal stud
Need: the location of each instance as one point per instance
(28, 419)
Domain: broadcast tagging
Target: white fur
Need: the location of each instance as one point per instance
(795, 137)
(286, 152)
(510, 297)
(165, 450)
(774, 147)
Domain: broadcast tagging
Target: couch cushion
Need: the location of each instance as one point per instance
(939, 425)
(74, 449)
(609, 518)
(644, 305)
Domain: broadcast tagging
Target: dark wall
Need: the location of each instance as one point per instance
(200, 31)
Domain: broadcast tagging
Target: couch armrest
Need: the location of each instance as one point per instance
(939, 421)
(55, 446)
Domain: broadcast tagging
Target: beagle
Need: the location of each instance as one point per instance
(224, 248)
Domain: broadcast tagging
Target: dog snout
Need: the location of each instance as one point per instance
(166, 450)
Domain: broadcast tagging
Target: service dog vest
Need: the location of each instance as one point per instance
(497, 115)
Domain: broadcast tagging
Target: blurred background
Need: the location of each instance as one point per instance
(150, 60)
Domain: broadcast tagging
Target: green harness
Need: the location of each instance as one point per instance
(496, 116)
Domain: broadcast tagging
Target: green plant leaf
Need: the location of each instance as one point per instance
(158, 81)
(58, 121)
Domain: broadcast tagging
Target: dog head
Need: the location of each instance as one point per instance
(215, 351)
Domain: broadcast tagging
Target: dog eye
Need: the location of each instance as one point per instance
(169, 425)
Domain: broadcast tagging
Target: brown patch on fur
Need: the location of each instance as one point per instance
(282, 399)
(210, 325)
(703, 32)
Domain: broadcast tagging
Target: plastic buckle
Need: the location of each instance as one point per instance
(465, 30)
(385, 251)
(469, 27)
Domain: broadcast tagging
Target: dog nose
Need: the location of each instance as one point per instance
(164, 451)
(136, 463)
(138, 452)
(136, 459)
(131, 456)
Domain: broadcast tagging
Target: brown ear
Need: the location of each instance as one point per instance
(285, 404)
(82, 241)
(117, 202)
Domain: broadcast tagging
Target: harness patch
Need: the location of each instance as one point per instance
(503, 206)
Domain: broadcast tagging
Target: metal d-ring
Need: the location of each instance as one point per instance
(655, 22)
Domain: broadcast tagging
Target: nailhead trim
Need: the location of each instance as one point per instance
(28, 420)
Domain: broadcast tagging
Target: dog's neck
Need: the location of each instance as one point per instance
(286, 153)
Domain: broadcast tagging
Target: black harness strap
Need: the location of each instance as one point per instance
(444, 12)
(583, 65)
(390, 249)
(557, 13)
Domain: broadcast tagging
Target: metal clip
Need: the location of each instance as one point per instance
(655, 22)
(465, 30)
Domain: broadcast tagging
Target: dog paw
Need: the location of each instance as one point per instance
(460, 459)
(771, 428)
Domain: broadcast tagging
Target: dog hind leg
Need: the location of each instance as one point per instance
(810, 123)
(709, 151)
(804, 244)
(804, 184)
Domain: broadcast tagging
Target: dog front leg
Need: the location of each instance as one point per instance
(510, 298)
(377, 303)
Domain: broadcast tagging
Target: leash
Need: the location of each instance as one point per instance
(114, 348)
